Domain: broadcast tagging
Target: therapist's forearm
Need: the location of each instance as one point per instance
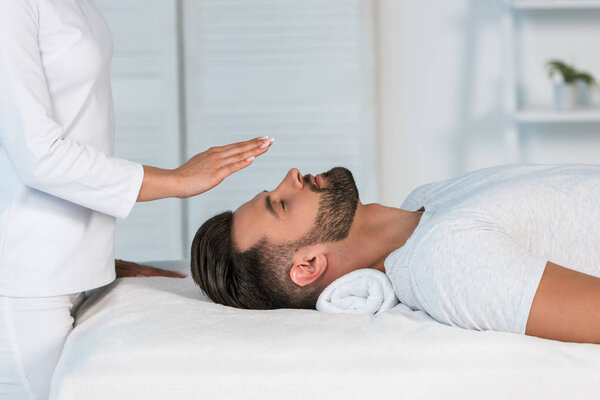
(158, 183)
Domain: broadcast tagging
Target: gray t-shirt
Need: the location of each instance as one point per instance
(478, 254)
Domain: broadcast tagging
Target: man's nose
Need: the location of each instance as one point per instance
(291, 181)
(295, 178)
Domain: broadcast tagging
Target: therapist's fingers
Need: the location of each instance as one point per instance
(236, 161)
(244, 155)
(147, 273)
(131, 269)
(255, 141)
(230, 168)
(152, 271)
(251, 148)
(237, 144)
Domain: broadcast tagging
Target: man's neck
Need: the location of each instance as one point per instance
(376, 232)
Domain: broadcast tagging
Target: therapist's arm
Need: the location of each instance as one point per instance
(566, 306)
(201, 172)
(44, 155)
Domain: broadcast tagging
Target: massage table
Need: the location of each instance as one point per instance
(161, 338)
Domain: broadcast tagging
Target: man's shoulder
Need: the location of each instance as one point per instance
(419, 195)
(475, 179)
(422, 193)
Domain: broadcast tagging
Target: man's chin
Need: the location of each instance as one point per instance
(338, 170)
(338, 174)
(340, 177)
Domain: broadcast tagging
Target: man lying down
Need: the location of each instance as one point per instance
(512, 248)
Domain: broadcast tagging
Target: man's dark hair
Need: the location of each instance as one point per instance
(253, 279)
(259, 278)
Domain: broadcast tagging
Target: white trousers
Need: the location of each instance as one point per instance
(32, 335)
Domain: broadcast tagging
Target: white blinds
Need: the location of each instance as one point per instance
(145, 89)
(300, 71)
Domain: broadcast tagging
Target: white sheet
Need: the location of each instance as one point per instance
(159, 338)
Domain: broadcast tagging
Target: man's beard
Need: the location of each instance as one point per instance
(337, 206)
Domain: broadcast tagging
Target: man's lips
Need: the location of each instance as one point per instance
(314, 181)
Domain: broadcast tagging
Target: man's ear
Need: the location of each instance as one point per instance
(309, 264)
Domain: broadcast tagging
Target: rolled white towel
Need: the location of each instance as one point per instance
(363, 291)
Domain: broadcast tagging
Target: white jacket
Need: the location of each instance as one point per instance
(60, 187)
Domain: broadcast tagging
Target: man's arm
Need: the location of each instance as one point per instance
(566, 306)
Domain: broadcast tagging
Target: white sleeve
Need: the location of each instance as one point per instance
(477, 279)
(44, 158)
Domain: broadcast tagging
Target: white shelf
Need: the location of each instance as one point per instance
(556, 4)
(552, 116)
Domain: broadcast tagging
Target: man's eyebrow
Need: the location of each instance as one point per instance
(269, 205)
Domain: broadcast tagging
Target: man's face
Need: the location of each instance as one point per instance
(326, 203)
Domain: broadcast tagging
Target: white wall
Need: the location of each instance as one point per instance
(442, 76)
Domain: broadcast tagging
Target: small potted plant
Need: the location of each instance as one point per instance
(571, 87)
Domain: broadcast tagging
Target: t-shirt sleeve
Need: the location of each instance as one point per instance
(476, 278)
(43, 155)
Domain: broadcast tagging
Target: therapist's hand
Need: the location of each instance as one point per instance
(125, 269)
(206, 170)
(201, 172)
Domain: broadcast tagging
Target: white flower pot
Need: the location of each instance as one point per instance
(565, 96)
(583, 94)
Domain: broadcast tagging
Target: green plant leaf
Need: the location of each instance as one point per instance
(567, 71)
(587, 78)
